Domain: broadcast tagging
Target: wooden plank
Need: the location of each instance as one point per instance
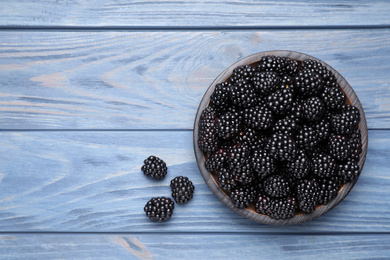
(91, 181)
(155, 80)
(193, 246)
(194, 13)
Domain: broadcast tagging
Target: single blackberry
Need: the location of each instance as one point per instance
(328, 189)
(323, 128)
(207, 138)
(280, 102)
(276, 208)
(219, 99)
(243, 174)
(348, 171)
(307, 195)
(265, 82)
(242, 94)
(272, 63)
(225, 179)
(300, 167)
(227, 125)
(182, 189)
(242, 196)
(263, 163)
(258, 117)
(313, 109)
(316, 67)
(307, 138)
(159, 208)
(216, 160)
(252, 138)
(346, 121)
(323, 165)
(243, 72)
(292, 67)
(340, 147)
(276, 186)
(334, 98)
(287, 125)
(154, 168)
(356, 141)
(282, 147)
(296, 112)
(238, 155)
(308, 83)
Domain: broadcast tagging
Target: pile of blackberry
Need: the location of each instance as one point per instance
(279, 136)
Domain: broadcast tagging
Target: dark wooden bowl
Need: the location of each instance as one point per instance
(250, 213)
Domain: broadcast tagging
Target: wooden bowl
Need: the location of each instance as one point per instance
(250, 213)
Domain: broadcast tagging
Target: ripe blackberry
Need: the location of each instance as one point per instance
(280, 102)
(346, 121)
(219, 99)
(287, 125)
(258, 117)
(243, 174)
(207, 138)
(182, 189)
(216, 160)
(356, 142)
(300, 167)
(323, 128)
(328, 189)
(287, 82)
(265, 82)
(276, 208)
(242, 94)
(244, 72)
(225, 179)
(348, 171)
(313, 109)
(263, 163)
(308, 83)
(276, 186)
(252, 138)
(238, 155)
(307, 138)
(242, 196)
(282, 147)
(334, 98)
(281, 65)
(154, 168)
(316, 67)
(227, 125)
(323, 165)
(296, 112)
(307, 195)
(159, 208)
(340, 147)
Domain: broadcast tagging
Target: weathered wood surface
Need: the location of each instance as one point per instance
(188, 246)
(194, 13)
(155, 80)
(91, 181)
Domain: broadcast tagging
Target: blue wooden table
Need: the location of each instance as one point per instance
(89, 89)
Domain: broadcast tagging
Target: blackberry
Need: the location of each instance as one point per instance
(238, 155)
(159, 208)
(296, 112)
(313, 109)
(276, 186)
(263, 163)
(348, 171)
(252, 138)
(280, 102)
(300, 167)
(265, 82)
(276, 208)
(307, 195)
(242, 94)
(356, 141)
(154, 168)
(323, 128)
(225, 179)
(282, 147)
(324, 166)
(328, 189)
(272, 63)
(216, 160)
(340, 147)
(308, 83)
(307, 138)
(182, 189)
(334, 98)
(287, 82)
(258, 117)
(316, 67)
(346, 121)
(219, 99)
(243, 174)
(242, 196)
(207, 138)
(244, 72)
(227, 125)
(286, 125)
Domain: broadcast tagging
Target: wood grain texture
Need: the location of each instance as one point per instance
(155, 80)
(188, 246)
(194, 13)
(91, 181)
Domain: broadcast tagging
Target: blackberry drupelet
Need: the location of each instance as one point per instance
(348, 171)
(340, 147)
(300, 167)
(346, 121)
(328, 189)
(308, 83)
(216, 160)
(265, 82)
(313, 109)
(154, 168)
(225, 179)
(276, 208)
(263, 163)
(182, 189)
(307, 195)
(244, 72)
(280, 102)
(242, 196)
(219, 99)
(258, 117)
(227, 125)
(282, 147)
(307, 138)
(334, 98)
(207, 138)
(323, 165)
(276, 186)
(159, 208)
(242, 94)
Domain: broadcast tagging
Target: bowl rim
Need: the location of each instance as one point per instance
(252, 215)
